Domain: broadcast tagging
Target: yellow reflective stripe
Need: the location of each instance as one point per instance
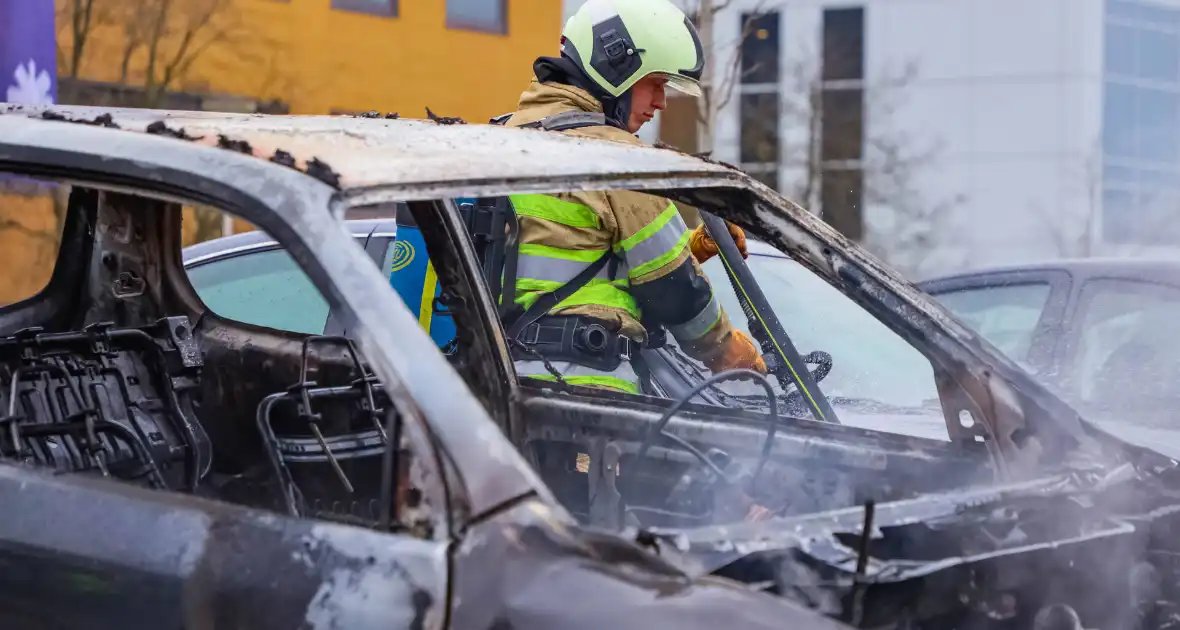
(700, 324)
(598, 292)
(556, 210)
(601, 381)
(579, 255)
(649, 229)
(662, 259)
(426, 306)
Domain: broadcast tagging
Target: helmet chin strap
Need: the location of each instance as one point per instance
(619, 109)
(565, 70)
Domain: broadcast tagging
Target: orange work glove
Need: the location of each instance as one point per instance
(740, 352)
(704, 247)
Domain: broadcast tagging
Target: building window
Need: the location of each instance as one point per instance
(841, 113)
(384, 8)
(759, 97)
(1141, 124)
(760, 122)
(760, 48)
(478, 15)
(844, 44)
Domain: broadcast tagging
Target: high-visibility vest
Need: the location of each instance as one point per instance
(542, 269)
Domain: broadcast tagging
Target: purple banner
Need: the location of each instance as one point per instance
(28, 52)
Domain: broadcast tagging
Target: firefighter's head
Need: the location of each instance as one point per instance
(631, 50)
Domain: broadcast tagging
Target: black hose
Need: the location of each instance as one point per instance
(728, 375)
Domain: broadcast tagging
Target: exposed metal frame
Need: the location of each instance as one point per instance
(296, 210)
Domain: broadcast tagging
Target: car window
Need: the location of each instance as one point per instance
(1006, 315)
(264, 288)
(873, 369)
(1127, 347)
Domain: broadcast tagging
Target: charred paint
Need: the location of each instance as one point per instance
(376, 114)
(1086, 520)
(444, 120)
(160, 128)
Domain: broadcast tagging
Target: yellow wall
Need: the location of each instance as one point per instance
(318, 59)
(312, 57)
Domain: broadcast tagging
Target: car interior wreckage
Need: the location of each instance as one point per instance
(1024, 516)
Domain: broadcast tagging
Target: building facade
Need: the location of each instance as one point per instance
(958, 133)
(468, 58)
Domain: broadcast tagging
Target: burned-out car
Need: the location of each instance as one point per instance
(166, 464)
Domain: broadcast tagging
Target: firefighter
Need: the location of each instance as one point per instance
(617, 59)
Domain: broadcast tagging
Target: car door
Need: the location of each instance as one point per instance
(251, 279)
(1021, 312)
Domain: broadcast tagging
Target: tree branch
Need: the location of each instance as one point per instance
(20, 228)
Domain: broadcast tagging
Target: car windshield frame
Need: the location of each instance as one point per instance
(902, 308)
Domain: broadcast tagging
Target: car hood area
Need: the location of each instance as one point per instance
(1085, 543)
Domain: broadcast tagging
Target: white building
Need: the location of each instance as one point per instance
(1058, 121)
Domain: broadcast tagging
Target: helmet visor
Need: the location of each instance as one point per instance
(684, 85)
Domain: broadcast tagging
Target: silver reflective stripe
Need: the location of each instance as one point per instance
(559, 269)
(537, 368)
(657, 244)
(700, 324)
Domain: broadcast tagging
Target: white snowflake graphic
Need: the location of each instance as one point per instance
(30, 87)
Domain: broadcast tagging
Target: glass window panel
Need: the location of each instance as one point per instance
(386, 8)
(1120, 50)
(1159, 55)
(872, 367)
(1118, 207)
(265, 289)
(842, 201)
(483, 15)
(1156, 16)
(1118, 133)
(1121, 9)
(759, 121)
(843, 46)
(1005, 315)
(842, 124)
(1158, 125)
(1119, 174)
(760, 48)
(1128, 357)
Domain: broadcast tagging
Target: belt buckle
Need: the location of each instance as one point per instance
(625, 347)
(535, 330)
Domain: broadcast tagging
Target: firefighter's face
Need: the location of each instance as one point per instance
(647, 98)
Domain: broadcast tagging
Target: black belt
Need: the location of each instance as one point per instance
(582, 340)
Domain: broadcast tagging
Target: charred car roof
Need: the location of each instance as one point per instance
(367, 152)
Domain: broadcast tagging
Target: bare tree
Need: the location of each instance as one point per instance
(835, 140)
(158, 43)
(857, 170)
(166, 37)
(718, 84)
(78, 20)
(1072, 229)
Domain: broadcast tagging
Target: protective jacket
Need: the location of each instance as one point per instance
(655, 280)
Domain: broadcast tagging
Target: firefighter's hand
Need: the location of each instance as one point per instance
(739, 352)
(704, 247)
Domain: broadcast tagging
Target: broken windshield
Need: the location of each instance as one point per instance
(593, 423)
(872, 367)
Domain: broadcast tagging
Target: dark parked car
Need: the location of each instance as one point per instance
(1101, 332)
(169, 463)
